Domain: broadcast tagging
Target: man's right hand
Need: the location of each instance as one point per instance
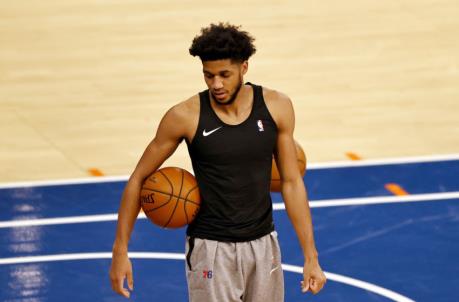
(120, 269)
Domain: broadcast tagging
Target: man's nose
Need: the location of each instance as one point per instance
(217, 83)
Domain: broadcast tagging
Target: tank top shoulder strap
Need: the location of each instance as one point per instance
(259, 101)
(257, 94)
(206, 118)
(204, 101)
(207, 114)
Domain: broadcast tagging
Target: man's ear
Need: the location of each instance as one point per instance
(245, 67)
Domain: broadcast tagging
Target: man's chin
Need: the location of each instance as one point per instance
(226, 98)
(221, 100)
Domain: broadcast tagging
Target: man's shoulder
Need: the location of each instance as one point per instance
(186, 109)
(275, 99)
(183, 117)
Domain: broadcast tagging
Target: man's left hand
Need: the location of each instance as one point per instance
(314, 278)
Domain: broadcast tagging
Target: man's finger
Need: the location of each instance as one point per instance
(304, 286)
(114, 282)
(120, 289)
(315, 286)
(130, 280)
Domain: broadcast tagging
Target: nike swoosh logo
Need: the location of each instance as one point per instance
(204, 133)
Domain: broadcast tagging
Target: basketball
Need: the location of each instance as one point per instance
(275, 177)
(170, 197)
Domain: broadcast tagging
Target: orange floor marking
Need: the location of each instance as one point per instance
(95, 172)
(396, 189)
(353, 156)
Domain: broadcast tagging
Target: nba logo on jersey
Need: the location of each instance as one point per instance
(260, 125)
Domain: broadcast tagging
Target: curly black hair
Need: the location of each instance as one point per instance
(223, 41)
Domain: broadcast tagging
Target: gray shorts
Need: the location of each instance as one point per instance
(235, 271)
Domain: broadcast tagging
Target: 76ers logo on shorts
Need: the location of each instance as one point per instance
(207, 274)
(260, 125)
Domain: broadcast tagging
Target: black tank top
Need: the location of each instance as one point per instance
(232, 164)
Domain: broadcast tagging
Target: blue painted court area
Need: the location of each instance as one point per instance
(391, 250)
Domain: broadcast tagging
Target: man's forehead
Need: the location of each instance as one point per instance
(216, 71)
(218, 65)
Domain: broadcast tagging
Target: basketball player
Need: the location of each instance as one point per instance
(232, 131)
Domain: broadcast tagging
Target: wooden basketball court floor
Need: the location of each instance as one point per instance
(83, 84)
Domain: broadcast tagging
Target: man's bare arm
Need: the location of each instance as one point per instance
(170, 133)
(294, 193)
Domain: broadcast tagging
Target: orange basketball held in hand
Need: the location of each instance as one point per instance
(275, 176)
(170, 197)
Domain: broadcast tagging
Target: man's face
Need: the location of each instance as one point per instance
(224, 78)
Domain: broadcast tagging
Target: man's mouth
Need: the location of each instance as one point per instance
(219, 95)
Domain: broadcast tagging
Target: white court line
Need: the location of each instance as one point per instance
(276, 206)
(62, 182)
(87, 256)
(354, 282)
(176, 256)
(61, 220)
(375, 200)
(383, 161)
(311, 166)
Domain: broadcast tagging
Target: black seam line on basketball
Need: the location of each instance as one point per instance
(165, 193)
(184, 204)
(170, 182)
(186, 214)
(189, 192)
(151, 210)
(170, 196)
(176, 204)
